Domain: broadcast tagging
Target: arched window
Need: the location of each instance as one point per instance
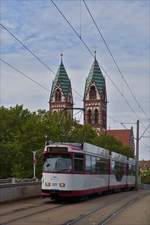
(96, 116)
(92, 93)
(89, 116)
(58, 96)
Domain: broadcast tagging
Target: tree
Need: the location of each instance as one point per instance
(22, 132)
(112, 144)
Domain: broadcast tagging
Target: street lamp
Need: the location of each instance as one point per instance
(34, 164)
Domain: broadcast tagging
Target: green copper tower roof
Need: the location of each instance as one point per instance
(95, 75)
(62, 80)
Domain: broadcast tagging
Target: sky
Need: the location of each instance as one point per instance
(125, 25)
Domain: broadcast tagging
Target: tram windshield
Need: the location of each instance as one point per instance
(57, 164)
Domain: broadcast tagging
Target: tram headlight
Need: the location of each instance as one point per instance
(62, 184)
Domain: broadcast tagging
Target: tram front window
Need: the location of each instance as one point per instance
(57, 164)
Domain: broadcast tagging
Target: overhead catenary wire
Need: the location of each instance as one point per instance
(114, 60)
(39, 58)
(119, 122)
(28, 49)
(32, 53)
(25, 75)
(145, 131)
(47, 90)
(74, 30)
(91, 53)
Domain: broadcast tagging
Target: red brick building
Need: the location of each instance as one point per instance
(145, 164)
(126, 136)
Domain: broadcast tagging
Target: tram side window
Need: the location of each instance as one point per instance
(93, 164)
(102, 165)
(88, 163)
(78, 163)
(117, 169)
(132, 170)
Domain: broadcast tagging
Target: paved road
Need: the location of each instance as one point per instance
(95, 211)
(137, 214)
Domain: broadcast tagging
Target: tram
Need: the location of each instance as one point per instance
(74, 169)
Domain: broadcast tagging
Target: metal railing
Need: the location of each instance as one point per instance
(14, 180)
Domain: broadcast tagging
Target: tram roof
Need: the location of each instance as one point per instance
(118, 157)
(93, 149)
(132, 161)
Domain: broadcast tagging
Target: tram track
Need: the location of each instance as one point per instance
(115, 213)
(20, 209)
(97, 211)
(9, 221)
(78, 220)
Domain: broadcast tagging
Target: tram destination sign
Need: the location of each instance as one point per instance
(56, 149)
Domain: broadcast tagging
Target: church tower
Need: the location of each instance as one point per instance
(61, 92)
(95, 98)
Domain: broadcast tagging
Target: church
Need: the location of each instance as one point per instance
(94, 101)
(95, 96)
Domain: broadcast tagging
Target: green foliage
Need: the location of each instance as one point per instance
(145, 176)
(112, 144)
(22, 132)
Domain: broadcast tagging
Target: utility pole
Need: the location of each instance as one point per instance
(137, 157)
(34, 164)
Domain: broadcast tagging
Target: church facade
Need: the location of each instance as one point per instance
(94, 101)
(95, 97)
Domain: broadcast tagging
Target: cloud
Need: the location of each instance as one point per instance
(125, 26)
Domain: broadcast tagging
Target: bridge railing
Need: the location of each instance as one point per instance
(14, 180)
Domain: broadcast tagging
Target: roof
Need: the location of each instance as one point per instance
(124, 136)
(95, 75)
(63, 80)
(121, 135)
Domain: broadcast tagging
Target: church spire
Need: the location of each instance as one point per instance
(61, 91)
(61, 56)
(95, 98)
(95, 55)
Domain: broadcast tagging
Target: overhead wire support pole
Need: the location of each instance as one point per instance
(137, 157)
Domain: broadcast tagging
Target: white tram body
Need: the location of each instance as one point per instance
(73, 169)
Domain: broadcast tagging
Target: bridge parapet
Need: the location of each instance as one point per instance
(17, 191)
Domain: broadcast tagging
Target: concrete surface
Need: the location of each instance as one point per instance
(11, 192)
(136, 214)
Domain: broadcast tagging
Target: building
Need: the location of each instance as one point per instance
(144, 164)
(95, 102)
(61, 92)
(95, 98)
(126, 136)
